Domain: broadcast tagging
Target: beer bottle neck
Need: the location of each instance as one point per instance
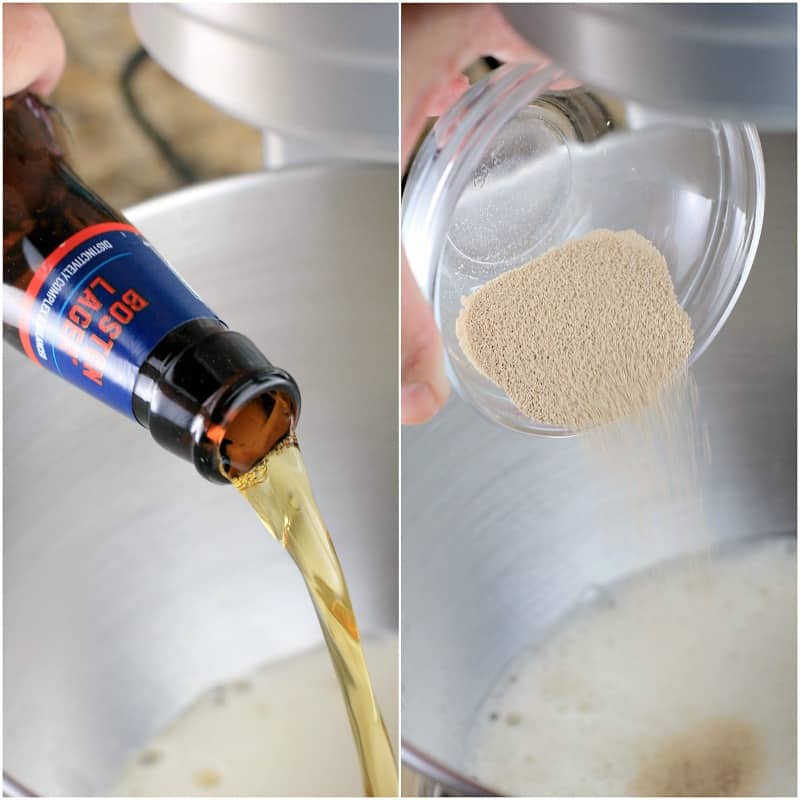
(210, 396)
(120, 324)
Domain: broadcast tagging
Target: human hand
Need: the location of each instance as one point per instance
(438, 42)
(33, 50)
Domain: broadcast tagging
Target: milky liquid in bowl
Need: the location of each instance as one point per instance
(679, 681)
(281, 731)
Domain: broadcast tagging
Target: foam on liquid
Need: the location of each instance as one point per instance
(282, 731)
(681, 682)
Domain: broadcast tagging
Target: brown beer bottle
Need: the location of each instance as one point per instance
(87, 297)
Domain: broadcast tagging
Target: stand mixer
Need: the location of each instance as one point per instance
(320, 80)
(508, 544)
(135, 586)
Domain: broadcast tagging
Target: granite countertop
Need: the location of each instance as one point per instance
(108, 148)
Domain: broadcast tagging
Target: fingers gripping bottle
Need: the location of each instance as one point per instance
(87, 297)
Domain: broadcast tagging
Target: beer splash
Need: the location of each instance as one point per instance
(279, 491)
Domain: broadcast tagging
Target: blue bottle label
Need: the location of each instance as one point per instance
(98, 305)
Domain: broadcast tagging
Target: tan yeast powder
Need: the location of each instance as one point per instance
(584, 334)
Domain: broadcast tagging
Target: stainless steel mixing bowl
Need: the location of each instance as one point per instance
(132, 585)
(502, 534)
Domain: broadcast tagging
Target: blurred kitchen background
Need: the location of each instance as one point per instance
(112, 92)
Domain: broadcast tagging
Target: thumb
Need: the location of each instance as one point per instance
(33, 50)
(424, 384)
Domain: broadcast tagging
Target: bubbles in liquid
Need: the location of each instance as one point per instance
(686, 686)
(281, 731)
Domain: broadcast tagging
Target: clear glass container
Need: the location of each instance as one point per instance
(516, 168)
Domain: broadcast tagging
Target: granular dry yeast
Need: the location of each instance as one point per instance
(584, 334)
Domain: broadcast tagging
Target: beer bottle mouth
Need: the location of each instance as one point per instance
(255, 421)
(210, 396)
